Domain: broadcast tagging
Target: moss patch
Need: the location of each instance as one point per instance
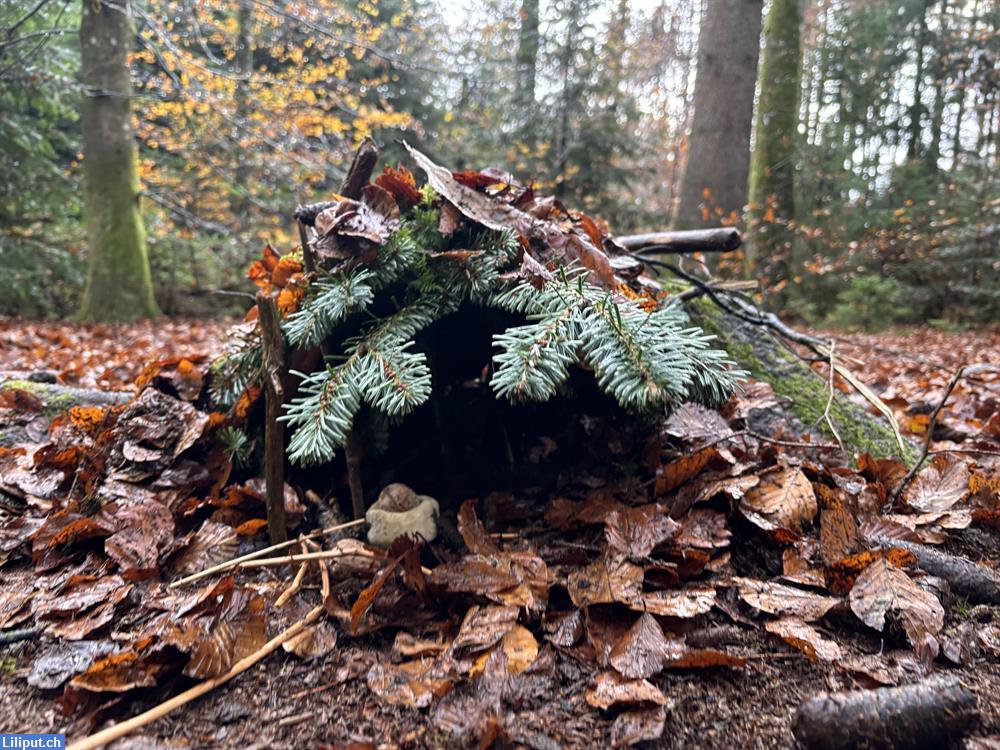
(795, 384)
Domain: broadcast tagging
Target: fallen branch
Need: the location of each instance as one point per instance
(329, 554)
(237, 561)
(273, 372)
(721, 240)
(930, 714)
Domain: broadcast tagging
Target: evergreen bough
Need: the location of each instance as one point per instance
(648, 360)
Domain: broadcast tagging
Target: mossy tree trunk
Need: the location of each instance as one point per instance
(772, 166)
(118, 282)
(718, 158)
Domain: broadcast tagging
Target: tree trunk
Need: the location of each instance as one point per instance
(118, 283)
(527, 55)
(916, 109)
(718, 159)
(244, 63)
(772, 166)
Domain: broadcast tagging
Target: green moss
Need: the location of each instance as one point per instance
(795, 383)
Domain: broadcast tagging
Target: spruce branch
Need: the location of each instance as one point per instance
(332, 298)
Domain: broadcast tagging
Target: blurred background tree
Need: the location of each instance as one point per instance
(875, 142)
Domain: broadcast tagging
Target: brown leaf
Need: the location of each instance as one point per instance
(784, 499)
(610, 579)
(145, 532)
(883, 588)
(213, 543)
(838, 534)
(473, 532)
(643, 649)
(697, 424)
(684, 469)
(118, 673)
(841, 575)
(939, 486)
(314, 642)
(779, 599)
(483, 627)
(634, 532)
(703, 529)
(415, 684)
(642, 725)
(611, 689)
(799, 634)
(400, 183)
(685, 603)
(367, 597)
(518, 646)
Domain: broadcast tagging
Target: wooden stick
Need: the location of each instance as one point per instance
(147, 717)
(308, 261)
(236, 561)
(273, 352)
(721, 240)
(296, 583)
(352, 456)
(360, 170)
(329, 554)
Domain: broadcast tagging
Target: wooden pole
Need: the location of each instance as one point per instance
(273, 346)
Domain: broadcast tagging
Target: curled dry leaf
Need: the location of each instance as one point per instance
(704, 529)
(779, 599)
(610, 579)
(803, 636)
(473, 532)
(611, 689)
(146, 531)
(784, 499)
(643, 649)
(883, 588)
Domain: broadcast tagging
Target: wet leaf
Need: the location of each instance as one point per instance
(685, 603)
(473, 532)
(518, 646)
(314, 642)
(610, 579)
(213, 543)
(415, 684)
(634, 532)
(483, 627)
(697, 424)
(61, 661)
(681, 470)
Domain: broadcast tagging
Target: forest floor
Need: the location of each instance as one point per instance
(326, 700)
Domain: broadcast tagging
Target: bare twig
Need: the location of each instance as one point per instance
(829, 401)
(296, 583)
(273, 345)
(329, 554)
(237, 561)
(137, 722)
(901, 487)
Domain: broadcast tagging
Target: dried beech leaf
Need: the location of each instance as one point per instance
(214, 543)
(799, 634)
(939, 486)
(611, 689)
(610, 579)
(784, 499)
(634, 532)
(641, 725)
(684, 603)
(779, 599)
(415, 684)
(483, 627)
(883, 588)
(684, 469)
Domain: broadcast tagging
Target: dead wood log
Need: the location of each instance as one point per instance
(360, 170)
(273, 349)
(977, 583)
(932, 714)
(720, 240)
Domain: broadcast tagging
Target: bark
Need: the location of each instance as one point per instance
(932, 714)
(916, 109)
(244, 65)
(118, 283)
(772, 166)
(721, 240)
(527, 54)
(718, 159)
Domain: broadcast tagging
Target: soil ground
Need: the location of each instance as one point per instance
(287, 703)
